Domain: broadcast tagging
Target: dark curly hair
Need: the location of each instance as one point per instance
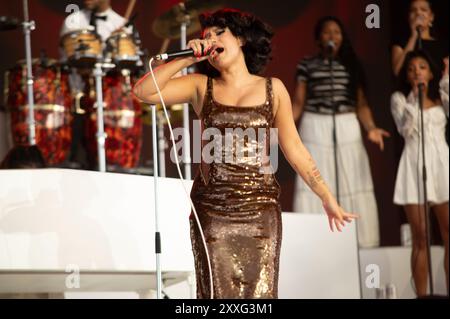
(405, 87)
(346, 55)
(255, 34)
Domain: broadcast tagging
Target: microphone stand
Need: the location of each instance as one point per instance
(425, 195)
(336, 166)
(186, 137)
(333, 104)
(101, 135)
(424, 176)
(159, 282)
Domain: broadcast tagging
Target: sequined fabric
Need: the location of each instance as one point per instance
(238, 205)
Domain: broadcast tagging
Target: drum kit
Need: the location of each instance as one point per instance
(42, 105)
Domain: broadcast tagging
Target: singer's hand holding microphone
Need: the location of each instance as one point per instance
(417, 25)
(198, 50)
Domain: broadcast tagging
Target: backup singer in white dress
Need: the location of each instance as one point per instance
(405, 111)
(409, 191)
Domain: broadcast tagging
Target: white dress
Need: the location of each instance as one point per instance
(356, 192)
(408, 186)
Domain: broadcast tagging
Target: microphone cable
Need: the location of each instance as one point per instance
(172, 137)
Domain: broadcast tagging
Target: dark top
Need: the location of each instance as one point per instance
(315, 71)
(436, 49)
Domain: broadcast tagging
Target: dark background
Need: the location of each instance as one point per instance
(293, 22)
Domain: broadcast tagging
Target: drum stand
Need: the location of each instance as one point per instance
(29, 26)
(101, 135)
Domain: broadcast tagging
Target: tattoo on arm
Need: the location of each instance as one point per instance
(314, 176)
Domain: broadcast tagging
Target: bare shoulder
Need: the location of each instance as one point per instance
(197, 78)
(280, 94)
(278, 86)
(200, 81)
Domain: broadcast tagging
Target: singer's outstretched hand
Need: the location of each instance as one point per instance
(377, 135)
(337, 217)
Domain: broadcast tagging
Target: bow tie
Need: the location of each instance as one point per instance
(104, 18)
(94, 18)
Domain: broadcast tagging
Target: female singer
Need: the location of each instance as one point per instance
(238, 204)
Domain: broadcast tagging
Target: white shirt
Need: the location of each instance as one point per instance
(405, 111)
(81, 20)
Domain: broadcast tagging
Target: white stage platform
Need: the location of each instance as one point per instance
(394, 266)
(102, 225)
(56, 224)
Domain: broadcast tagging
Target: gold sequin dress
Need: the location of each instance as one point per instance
(238, 204)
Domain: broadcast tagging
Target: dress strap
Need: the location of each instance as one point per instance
(269, 91)
(269, 99)
(209, 89)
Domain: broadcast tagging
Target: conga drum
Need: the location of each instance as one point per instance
(52, 108)
(122, 121)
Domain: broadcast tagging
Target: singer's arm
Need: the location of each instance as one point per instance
(185, 89)
(399, 53)
(299, 100)
(365, 116)
(300, 159)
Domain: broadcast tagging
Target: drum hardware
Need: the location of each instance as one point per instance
(78, 108)
(105, 105)
(101, 135)
(45, 107)
(29, 26)
(118, 118)
(126, 87)
(8, 23)
(5, 89)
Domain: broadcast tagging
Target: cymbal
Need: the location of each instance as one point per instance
(8, 23)
(168, 25)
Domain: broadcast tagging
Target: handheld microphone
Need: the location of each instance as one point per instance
(182, 53)
(330, 46)
(419, 37)
(419, 29)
